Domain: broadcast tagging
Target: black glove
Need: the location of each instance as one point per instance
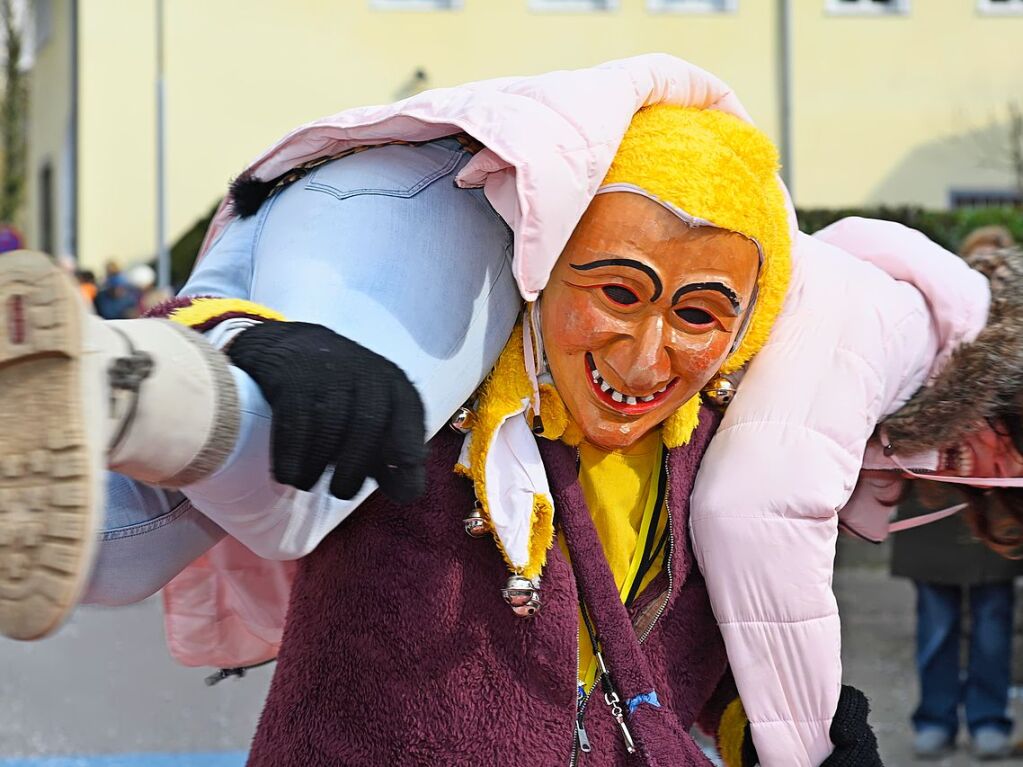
(855, 744)
(335, 403)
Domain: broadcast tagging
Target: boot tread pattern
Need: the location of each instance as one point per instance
(46, 505)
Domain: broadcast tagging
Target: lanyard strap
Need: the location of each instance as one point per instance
(925, 519)
(651, 551)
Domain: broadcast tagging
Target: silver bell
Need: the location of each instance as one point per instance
(523, 596)
(475, 525)
(463, 420)
(529, 609)
(720, 391)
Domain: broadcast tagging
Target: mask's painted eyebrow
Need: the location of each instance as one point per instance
(647, 270)
(720, 287)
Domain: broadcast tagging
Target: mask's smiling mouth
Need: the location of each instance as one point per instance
(627, 404)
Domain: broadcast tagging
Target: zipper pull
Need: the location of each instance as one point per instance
(614, 703)
(616, 712)
(581, 737)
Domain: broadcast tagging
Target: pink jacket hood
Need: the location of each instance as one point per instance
(549, 142)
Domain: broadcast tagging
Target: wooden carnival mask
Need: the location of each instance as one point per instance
(639, 314)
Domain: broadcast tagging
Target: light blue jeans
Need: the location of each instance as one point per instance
(379, 246)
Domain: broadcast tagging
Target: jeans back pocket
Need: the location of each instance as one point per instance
(395, 170)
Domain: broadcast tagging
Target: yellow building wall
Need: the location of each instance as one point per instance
(898, 109)
(241, 73)
(886, 109)
(49, 123)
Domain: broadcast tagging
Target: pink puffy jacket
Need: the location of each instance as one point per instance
(789, 451)
(850, 347)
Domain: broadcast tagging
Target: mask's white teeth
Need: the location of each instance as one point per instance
(648, 398)
(659, 391)
(630, 400)
(965, 461)
(617, 396)
(595, 374)
(605, 386)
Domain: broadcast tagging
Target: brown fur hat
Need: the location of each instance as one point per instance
(981, 379)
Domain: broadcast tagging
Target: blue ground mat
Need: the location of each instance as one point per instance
(222, 759)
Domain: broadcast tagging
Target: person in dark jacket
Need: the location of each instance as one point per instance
(948, 565)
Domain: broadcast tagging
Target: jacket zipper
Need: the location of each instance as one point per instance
(667, 555)
(584, 697)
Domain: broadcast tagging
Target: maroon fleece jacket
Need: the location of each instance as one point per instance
(399, 649)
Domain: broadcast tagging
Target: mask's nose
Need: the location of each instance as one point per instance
(641, 360)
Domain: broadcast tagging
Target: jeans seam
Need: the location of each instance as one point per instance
(130, 531)
(493, 286)
(264, 213)
(487, 207)
(411, 191)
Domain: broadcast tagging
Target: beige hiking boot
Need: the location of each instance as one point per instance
(148, 398)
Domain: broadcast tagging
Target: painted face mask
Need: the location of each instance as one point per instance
(675, 272)
(642, 309)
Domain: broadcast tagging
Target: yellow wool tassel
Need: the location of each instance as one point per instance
(681, 424)
(732, 733)
(501, 394)
(202, 310)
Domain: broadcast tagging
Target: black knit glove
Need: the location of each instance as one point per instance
(855, 744)
(335, 403)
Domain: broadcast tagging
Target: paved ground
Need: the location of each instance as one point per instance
(105, 685)
(877, 640)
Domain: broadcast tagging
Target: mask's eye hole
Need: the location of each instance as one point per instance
(620, 295)
(695, 316)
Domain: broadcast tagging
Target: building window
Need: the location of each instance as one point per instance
(983, 198)
(692, 6)
(868, 7)
(416, 5)
(1000, 7)
(47, 235)
(573, 5)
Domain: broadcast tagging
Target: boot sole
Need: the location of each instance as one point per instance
(51, 461)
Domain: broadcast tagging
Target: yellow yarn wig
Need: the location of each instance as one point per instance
(715, 167)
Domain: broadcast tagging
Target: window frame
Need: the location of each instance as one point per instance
(691, 7)
(988, 196)
(573, 6)
(989, 8)
(867, 8)
(418, 6)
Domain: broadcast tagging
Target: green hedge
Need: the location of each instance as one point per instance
(184, 251)
(946, 227)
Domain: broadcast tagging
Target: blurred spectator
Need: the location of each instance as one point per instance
(987, 238)
(117, 299)
(87, 284)
(10, 239)
(143, 278)
(946, 563)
